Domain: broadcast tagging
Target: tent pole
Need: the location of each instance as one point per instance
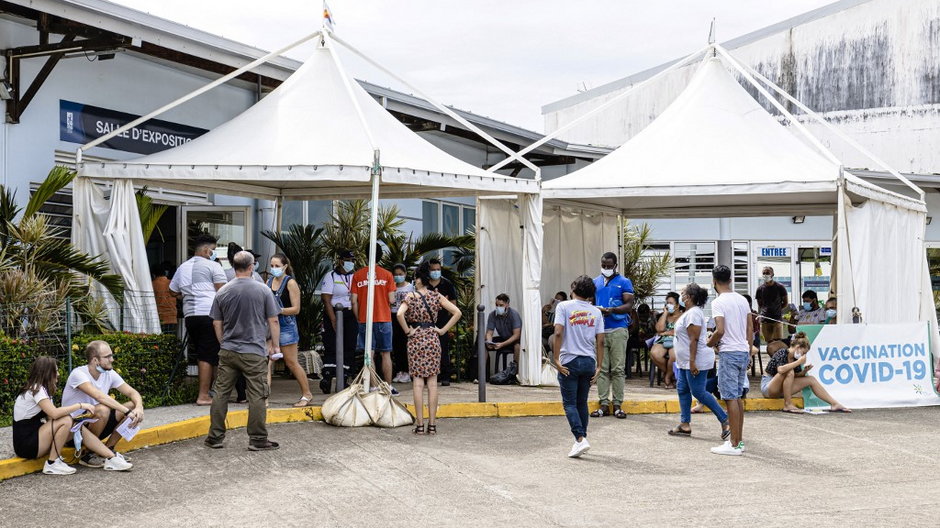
(198, 92)
(842, 135)
(450, 113)
(600, 108)
(370, 274)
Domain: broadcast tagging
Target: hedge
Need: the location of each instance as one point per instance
(152, 364)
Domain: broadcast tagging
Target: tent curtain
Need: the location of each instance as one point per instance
(111, 229)
(885, 275)
(530, 369)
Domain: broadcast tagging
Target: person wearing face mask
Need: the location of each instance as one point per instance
(614, 298)
(507, 324)
(446, 288)
(197, 280)
(287, 294)
(810, 311)
(92, 384)
(662, 353)
(785, 376)
(771, 297)
(399, 340)
(831, 311)
(335, 291)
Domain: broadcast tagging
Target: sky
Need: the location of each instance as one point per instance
(502, 59)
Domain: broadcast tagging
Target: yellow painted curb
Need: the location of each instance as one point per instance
(196, 427)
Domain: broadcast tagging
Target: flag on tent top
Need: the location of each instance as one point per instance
(327, 17)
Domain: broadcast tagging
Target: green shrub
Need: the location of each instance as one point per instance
(152, 364)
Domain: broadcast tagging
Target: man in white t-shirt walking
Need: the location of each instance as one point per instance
(733, 325)
(196, 281)
(91, 383)
(578, 352)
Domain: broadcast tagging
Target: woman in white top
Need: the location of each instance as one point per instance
(39, 427)
(694, 359)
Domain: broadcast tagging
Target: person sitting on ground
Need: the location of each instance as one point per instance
(810, 311)
(662, 352)
(40, 428)
(831, 311)
(92, 383)
(786, 376)
(507, 323)
(694, 360)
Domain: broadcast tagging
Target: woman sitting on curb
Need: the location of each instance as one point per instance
(40, 428)
(785, 375)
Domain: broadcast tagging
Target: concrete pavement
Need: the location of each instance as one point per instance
(870, 468)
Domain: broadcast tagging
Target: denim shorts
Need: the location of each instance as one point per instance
(381, 337)
(765, 384)
(289, 334)
(732, 374)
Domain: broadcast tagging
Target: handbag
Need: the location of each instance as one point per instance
(667, 341)
(346, 408)
(549, 373)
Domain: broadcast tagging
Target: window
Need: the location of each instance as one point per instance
(664, 285)
(469, 220)
(741, 268)
(431, 217)
(292, 213)
(449, 219)
(319, 212)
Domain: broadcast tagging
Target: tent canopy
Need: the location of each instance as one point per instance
(306, 140)
(715, 151)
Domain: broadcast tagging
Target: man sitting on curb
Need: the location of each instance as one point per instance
(91, 383)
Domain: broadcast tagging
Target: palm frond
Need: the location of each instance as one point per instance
(150, 213)
(59, 177)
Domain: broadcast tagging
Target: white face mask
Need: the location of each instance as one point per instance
(500, 310)
(670, 308)
(768, 278)
(607, 272)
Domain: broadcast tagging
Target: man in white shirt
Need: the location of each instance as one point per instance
(335, 291)
(91, 383)
(196, 281)
(733, 325)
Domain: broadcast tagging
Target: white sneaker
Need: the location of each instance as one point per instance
(117, 463)
(741, 446)
(579, 448)
(397, 378)
(405, 377)
(727, 449)
(58, 467)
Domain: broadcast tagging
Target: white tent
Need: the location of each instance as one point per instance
(317, 136)
(715, 152)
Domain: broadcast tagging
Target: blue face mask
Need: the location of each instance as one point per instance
(831, 314)
(807, 306)
(399, 279)
(212, 256)
(277, 272)
(101, 370)
(681, 304)
(348, 265)
(435, 274)
(670, 308)
(500, 310)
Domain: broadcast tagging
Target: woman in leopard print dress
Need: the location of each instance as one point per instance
(417, 315)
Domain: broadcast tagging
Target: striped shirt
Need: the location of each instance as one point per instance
(195, 280)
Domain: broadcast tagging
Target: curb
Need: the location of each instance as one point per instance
(196, 427)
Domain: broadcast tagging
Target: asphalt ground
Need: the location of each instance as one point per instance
(870, 468)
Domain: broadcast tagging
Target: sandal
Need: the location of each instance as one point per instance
(432, 429)
(419, 429)
(679, 431)
(725, 430)
(302, 402)
(620, 414)
(599, 413)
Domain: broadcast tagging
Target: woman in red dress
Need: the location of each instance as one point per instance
(417, 315)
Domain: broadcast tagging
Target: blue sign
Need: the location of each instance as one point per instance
(775, 252)
(825, 252)
(79, 123)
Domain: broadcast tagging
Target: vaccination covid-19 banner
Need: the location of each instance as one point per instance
(872, 365)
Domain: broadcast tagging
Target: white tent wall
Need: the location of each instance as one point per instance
(882, 273)
(111, 229)
(571, 242)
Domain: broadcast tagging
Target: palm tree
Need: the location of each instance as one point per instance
(348, 228)
(150, 214)
(644, 270)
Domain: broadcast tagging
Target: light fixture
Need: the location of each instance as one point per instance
(799, 219)
(929, 219)
(6, 90)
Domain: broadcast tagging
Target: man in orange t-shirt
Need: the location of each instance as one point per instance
(381, 312)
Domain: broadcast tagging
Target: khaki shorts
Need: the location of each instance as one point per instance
(772, 331)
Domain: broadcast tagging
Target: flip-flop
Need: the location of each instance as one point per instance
(793, 411)
(677, 431)
(620, 414)
(302, 402)
(843, 410)
(697, 411)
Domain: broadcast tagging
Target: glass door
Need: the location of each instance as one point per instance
(779, 256)
(815, 265)
(228, 224)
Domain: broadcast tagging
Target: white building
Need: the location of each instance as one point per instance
(871, 67)
(73, 70)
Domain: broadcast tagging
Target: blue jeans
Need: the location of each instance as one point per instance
(381, 337)
(689, 386)
(574, 392)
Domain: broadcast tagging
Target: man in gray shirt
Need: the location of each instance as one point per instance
(507, 323)
(243, 312)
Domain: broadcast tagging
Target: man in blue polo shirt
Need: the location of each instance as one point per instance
(614, 298)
